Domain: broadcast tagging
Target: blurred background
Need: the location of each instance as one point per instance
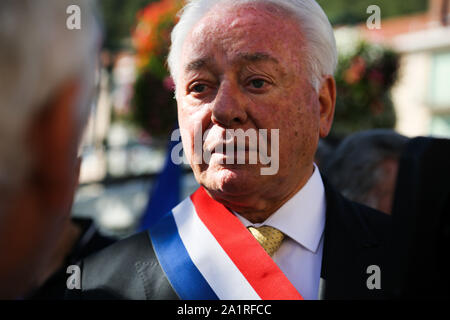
(395, 77)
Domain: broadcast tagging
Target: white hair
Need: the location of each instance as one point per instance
(38, 53)
(321, 53)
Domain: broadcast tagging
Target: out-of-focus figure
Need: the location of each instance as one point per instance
(47, 81)
(364, 167)
(419, 261)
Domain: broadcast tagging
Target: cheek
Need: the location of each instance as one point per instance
(186, 131)
(187, 141)
(299, 133)
(193, 122)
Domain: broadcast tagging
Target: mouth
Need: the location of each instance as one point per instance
(230, 148)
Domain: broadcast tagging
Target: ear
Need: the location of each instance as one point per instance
(53, 142)
(327, 100)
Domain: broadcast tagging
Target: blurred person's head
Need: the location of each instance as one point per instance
(254, 65)
(364, 167)
(47, 80)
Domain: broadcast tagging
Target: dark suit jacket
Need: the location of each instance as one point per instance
(421, 222)
(89, 242)
(355, 238)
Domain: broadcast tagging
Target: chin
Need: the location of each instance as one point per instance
(231, 182)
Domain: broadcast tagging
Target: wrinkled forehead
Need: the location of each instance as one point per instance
(237, 30)
(230, 12)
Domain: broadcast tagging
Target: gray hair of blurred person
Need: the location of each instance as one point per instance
(37, 54)
(321, 52)
(355, 167)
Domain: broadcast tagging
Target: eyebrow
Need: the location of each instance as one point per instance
(250, 57)
(257, 56)
(197, 64)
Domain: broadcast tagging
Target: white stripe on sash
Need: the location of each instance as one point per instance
(209, 257)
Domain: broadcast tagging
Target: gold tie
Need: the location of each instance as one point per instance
(268, 237)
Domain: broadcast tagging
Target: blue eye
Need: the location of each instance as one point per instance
(257, 83)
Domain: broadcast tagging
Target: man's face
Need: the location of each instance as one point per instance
(244, 68)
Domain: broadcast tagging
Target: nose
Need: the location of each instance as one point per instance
(229, 106)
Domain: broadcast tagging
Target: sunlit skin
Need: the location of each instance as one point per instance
(35, 230)
(243, 67)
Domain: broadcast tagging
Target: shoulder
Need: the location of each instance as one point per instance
(128, 269)
(90, 240)
(375, 221)
(362, 222)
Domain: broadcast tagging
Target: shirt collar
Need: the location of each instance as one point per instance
(302, 218)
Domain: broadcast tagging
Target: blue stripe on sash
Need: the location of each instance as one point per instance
(174, 259)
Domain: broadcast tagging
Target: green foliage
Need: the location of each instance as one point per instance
(363, 81)
(119, 18)
(353, 12)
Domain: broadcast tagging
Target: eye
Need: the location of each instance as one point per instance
(199, 88)
(257, 83)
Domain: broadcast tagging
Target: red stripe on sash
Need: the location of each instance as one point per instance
(253, 262)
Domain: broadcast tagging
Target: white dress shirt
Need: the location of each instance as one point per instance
(302, 220)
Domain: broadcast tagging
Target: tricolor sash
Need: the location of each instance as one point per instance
(207, 253)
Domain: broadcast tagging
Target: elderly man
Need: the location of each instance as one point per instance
(46, 85)
(267, 67)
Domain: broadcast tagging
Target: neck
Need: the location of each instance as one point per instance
(266, 207)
